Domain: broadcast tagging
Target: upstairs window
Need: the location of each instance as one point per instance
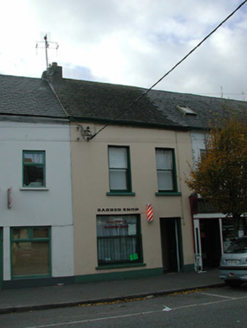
(119, 169)
(166, 174)
(33, 169)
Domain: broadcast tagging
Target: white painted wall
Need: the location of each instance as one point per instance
(51, 207)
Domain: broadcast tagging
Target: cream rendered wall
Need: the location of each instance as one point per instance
(51, 207)
(90, 183)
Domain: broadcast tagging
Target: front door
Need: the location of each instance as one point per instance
(210, 242)
(170, 244)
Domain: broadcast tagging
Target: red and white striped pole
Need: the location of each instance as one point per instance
(150, 215)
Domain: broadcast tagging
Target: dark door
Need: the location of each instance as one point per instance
(170, 245)
(210, 242)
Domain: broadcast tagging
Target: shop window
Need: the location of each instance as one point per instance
(30, 251)
(33, 169)
(118, 240)
(166, 173)
(119, 169)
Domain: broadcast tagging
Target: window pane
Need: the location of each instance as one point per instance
(117, 239)
(116, 249)
(165, 180)
(164, 159)
(116, 226)
(118, 180)
(36, 158)
(41, 233)
(117, 157)
(30, 258)
(20, 233)
(34, 176)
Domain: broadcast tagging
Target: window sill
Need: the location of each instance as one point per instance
(169, 193)
(120, 193)
(119, 266)
(34, 189)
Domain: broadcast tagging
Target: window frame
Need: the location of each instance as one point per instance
(128, 190)
(25, 164)
(174, 190)
(31, 239)
(133, 260)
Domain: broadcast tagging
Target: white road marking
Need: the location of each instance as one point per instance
(220, 296)
(226, 299)
(166, 308)
(94, 320)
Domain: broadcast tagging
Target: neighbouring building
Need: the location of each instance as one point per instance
(36, 222)
(212, 231)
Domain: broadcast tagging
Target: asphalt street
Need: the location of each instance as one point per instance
(207, 307)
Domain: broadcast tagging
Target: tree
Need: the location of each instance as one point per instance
(221, 176)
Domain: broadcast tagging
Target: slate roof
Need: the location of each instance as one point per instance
(103, 101)
(110, 103)
(209, 110)
(28, 97)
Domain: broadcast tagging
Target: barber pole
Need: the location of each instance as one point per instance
(150, 215)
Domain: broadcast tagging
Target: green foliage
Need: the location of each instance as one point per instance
(221, 176)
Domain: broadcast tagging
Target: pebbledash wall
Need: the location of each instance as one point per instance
(103, 217)
(36, 218)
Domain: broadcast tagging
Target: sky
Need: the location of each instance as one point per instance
(130, 42)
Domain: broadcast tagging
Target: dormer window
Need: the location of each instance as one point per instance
(186, 110)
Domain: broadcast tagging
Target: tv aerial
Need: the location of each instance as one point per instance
(47, 45)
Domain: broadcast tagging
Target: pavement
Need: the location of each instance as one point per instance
(41, 298)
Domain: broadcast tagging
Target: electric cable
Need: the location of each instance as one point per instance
(172, 69)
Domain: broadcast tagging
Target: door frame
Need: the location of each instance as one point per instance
(198, 246)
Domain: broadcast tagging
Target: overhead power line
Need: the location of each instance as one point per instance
(172, 69)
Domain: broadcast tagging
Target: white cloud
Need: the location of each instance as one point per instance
(129, 42)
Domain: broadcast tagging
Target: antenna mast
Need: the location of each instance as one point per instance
(45, 44)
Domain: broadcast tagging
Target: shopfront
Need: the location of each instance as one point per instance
(213, 233)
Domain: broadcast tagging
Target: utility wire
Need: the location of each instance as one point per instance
(172, 69)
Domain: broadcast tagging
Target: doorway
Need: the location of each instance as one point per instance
(210, 242)
(170, 230)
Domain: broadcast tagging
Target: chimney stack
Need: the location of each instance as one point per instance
(54, 73)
